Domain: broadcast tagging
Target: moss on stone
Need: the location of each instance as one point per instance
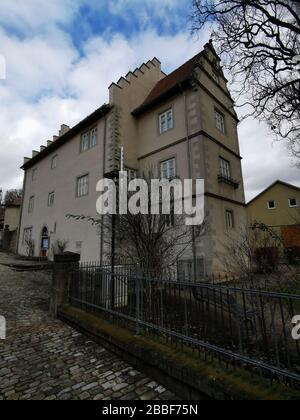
(209, 375)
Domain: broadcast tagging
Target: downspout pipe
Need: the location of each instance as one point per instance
(190, 171)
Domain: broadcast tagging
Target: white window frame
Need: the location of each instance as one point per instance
(51, 199)
(82, 186)
(220, 121)
(293, 206)
(54, 162)
(230, 224)
(166, 121)
(225, 168)
(31, 204)
(168, 169)
(268, 205)
(85, 142)
(93, 137)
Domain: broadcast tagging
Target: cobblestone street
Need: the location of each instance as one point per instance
(42, 358)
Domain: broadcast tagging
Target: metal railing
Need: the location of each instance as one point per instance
(250, 328)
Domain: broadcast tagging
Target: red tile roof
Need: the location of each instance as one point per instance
(169, 84)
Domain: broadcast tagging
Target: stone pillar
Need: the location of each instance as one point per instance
(62, 271)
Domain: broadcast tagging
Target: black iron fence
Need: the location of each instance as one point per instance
(250, 328)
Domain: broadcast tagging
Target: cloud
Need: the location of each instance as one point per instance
(50, 81)
(265, 160)
(30, 16)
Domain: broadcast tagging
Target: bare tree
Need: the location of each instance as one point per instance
(255, 257)
(154, 241)
(12, 196)
(259, 41)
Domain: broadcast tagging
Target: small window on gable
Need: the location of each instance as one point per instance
(293, 202)
(54, 162)
(220, 121)
(271, 205)
(166, 121)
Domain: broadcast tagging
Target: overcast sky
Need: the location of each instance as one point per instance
(62, 55)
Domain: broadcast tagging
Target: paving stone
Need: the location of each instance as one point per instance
(44, 359)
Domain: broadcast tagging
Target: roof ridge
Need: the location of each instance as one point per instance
(278, 181)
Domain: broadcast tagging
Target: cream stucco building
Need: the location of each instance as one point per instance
(183, 124)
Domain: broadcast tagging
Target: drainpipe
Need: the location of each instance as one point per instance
(103, 163)
(188, 142)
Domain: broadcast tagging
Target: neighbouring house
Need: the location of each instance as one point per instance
(12, 212)
(183, 124)
(278, 207)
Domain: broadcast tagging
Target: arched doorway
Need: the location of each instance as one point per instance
(45, 242)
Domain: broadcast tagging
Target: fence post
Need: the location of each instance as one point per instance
(137, 304)
(62, 272)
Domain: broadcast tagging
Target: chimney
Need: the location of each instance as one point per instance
(26, 159)
(34, 153)
(49, 142)
(55, 138)
(42, 148)
(63, 129)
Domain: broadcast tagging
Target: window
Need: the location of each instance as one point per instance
(229, 219)
(271, 205)
(89, 140)
(27, 235)
(93, 137)
(293, 202)
(168, 169)
(225, 169)
(215, 77)
(51, 197)
(82, 186)
(166, 122)
(85, 142)
(220, 121)
(54, 162)
(31, 204)
(34, 174)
